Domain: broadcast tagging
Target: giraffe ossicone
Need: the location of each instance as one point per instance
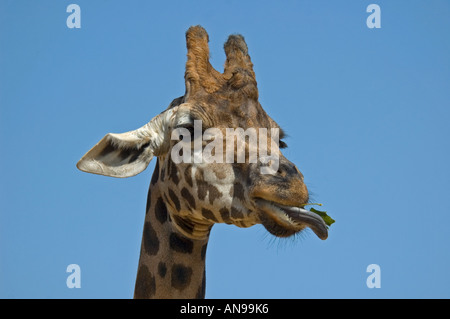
(245, 186)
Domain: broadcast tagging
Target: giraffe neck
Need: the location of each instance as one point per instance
(170, 264)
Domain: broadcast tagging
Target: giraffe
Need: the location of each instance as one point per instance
(186, 199)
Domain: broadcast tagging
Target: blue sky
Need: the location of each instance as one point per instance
(367, 112)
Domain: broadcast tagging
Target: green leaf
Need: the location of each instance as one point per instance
(327, 219)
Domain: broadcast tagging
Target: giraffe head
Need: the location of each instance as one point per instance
(228, 189)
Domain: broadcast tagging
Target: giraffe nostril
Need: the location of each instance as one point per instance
(287, 169)
(283, 173)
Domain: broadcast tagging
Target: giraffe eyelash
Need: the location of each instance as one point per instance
(282, 135)
(188, 126)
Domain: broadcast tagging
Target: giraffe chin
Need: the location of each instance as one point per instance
(285, 221)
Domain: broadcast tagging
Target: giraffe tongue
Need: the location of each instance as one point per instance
(310, 219)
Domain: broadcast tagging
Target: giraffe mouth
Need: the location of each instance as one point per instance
(284, 221)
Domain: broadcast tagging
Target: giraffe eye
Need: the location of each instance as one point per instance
(189, 127)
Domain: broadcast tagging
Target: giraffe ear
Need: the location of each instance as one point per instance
(117, 155)
(127, 154)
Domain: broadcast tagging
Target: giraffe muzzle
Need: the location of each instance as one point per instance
(284, 221)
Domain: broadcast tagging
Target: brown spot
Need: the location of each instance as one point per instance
(173, 172)
(209, 215)
(181, 276)
(162, 269)
(236, 213)
(202, 189)
(155, 175)
(160, 210)
(238, 192)
(174, 199)
(150, 239)
(145, 286)
(202, 186)
(188, 197)
(225, 215)
(213, 193)
(180, 244)
(188, 175)
(203, 252)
